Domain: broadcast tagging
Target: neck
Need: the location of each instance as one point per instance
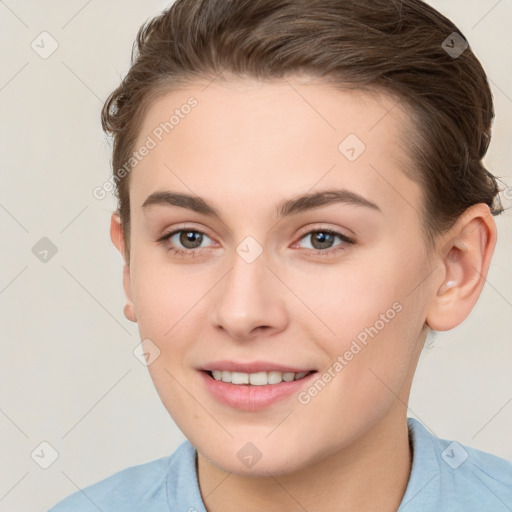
(373, 470)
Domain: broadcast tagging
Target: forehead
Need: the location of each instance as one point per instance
(247, 139)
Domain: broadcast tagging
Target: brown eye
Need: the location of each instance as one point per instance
(184, 242)
(190, 239)
(322, 239)
(323, 242)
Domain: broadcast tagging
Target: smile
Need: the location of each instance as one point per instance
(254, 391)
(256, 379)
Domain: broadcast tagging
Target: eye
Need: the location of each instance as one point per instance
(322, 241)
(184, 242)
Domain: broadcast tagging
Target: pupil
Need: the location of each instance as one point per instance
(187, 237)
(324, 239)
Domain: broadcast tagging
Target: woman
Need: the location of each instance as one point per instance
(301, 199)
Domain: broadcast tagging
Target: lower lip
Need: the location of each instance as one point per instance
(248, 397)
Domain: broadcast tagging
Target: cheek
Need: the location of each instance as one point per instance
(166, 297)
(375, 314)
(348, 298)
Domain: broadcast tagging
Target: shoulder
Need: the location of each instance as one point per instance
(459, 477)
(143, 485)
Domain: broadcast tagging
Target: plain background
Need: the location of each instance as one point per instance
(68, 373)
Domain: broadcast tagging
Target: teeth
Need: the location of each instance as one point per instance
(274, 377)
(239, 378)
(288, 377)
(256, 379)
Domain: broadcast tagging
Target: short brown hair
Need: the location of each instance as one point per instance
(394, 46)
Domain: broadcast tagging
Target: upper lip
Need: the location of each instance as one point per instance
(253, 367)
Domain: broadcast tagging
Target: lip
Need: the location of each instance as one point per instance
(253, 367)
(246, 397)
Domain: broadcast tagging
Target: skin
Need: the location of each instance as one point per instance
(247, 146)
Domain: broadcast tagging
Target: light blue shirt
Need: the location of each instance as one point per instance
(445, 477)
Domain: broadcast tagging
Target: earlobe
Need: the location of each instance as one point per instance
(465, 260)
(117, 237)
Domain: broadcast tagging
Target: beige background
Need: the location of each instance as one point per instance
(68, 373)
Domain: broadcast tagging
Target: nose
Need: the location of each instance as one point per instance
(249, 300)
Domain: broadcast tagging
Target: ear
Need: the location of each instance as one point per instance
(117, 237)
(465, 257)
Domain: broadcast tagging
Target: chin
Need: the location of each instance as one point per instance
(261, 468)
(246, 459)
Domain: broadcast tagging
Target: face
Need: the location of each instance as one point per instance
(232, 273)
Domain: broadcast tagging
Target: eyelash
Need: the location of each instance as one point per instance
(310, 252)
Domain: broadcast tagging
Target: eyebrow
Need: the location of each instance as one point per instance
(285, 208)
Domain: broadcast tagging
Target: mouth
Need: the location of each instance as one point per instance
(256, 390)
(262, 378)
